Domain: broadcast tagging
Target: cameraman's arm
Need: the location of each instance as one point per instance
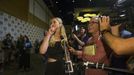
(78, 40)
(115, 30)
(119, 45)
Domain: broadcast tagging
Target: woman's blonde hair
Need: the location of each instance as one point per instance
(62, 32)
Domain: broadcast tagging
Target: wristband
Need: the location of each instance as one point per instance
(104, 31)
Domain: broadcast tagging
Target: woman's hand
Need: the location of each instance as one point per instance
(51, 30)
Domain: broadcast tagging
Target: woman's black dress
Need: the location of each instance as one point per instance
(55, 68)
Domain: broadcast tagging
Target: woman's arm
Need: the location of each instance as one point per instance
(45, 44)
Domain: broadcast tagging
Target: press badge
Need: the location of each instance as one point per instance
(90, 50)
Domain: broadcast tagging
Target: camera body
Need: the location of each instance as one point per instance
(117, 20)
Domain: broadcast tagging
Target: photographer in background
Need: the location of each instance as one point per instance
(81, 38)
(77, 41)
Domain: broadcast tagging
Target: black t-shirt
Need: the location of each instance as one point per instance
(56, 52)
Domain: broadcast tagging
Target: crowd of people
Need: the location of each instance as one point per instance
(99, 43)
(16, 51)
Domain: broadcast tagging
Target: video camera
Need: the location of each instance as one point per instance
(117, 20)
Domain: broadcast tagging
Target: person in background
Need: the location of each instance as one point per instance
(52, 47)
(20, 52)
(36, 46)
(79, 41)
(24, 45)
(124, 33)
(8, 46)
(1, 59)
(27, 47)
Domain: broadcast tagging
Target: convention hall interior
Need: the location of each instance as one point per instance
(27, 37)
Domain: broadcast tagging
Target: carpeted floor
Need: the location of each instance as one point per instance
(37, 67)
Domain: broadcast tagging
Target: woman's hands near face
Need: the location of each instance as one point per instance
(51, 30)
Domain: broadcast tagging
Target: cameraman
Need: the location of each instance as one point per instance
(119, 45)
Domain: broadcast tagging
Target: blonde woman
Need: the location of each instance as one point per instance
(51, 46)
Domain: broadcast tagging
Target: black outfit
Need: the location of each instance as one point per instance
(119, 62)
(8, 47)
(56, 52)
(20, 52)
(24, 54)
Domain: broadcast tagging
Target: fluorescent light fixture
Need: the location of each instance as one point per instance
(79, 18)
(73, 1)
(83, 20)
(120, 1)
(89, 15)
(122, 15)
(76, 27)
(87, 19)
(57, 2)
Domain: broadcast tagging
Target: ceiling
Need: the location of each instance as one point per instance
(68, 10)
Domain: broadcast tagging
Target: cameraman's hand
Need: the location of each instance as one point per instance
(104, 22)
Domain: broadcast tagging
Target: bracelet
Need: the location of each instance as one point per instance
(104, 31)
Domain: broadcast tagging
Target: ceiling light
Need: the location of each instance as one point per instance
(73, 1)
(88, 19)
(79, 18)
(83, 20)
(123, 11)
(76, 27)
(89, 15)
(57, 2)
(122, 15)
(121, 1)
(93, 15)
